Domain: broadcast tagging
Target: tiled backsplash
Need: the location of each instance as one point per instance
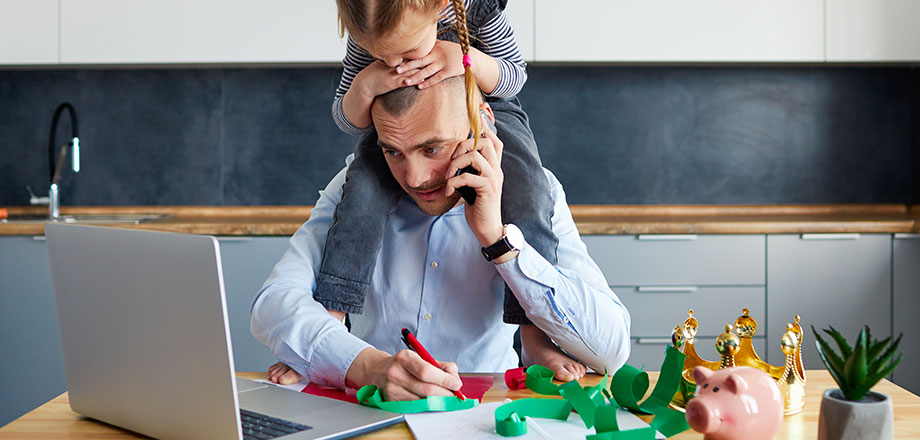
(612, 134)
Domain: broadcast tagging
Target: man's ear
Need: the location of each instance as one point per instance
(484, 107)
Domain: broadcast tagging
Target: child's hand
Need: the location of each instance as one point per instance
(378, 78)
(444, 61)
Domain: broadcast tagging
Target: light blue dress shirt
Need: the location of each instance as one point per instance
(431, 278)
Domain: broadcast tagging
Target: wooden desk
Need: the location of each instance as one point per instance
(55, 420)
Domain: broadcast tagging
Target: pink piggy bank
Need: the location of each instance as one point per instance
(735, 403)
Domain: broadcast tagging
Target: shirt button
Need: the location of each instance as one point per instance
(428, 316)
(434, 264)
(533, 272)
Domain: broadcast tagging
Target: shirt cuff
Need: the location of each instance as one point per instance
(529, 266)
(334, 355)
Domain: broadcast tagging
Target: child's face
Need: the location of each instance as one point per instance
(413, 38)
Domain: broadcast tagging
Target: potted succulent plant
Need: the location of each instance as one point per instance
(853, 411)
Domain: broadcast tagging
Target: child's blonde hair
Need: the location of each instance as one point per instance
(364, 22)
(368, 19)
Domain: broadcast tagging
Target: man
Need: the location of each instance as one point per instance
(431, 276)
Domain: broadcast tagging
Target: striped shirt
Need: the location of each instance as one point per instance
(494, 38)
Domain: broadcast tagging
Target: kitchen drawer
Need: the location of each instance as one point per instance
(631, 260)
(840, 280)
(650, 352)
(655, 311)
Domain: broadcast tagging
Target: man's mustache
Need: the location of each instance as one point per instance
(429, 185)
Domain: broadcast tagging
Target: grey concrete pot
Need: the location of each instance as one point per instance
(840, 419)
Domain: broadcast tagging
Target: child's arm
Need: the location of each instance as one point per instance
(376, 79)
(497, 41)
(499, 67)
(446, 60)
(363, 78)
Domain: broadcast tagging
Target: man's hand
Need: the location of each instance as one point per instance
(404, 376)
(444, 61)
(484, 216)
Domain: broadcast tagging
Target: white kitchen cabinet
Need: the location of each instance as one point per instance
(31, 361)
(906, 306)
(679, 260)
(839, 280)
(520, 15)
(29, 31)
(648, 353)
(679, 30)
(655, 311)
(873, 30)
(660, 277)
(201, 31)
(247, 262)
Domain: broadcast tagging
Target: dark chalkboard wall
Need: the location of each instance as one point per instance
(612, 134)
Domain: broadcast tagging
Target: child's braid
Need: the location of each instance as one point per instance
(468, 79)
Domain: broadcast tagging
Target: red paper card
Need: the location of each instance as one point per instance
(332, 393)
(474, 387)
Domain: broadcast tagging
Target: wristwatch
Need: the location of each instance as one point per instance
(513, 240)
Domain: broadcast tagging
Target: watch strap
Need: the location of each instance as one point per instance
(497, 249)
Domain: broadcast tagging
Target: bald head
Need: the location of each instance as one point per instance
(400, 100)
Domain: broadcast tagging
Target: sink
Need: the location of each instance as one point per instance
(87, 218)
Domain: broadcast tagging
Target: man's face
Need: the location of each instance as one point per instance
(419, 143)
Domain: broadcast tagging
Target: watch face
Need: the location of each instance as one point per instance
(514, 236)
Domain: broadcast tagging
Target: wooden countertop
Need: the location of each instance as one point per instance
(591, 219)
(55, 419)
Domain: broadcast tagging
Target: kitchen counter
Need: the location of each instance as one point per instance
(56, 420)
(591, 219)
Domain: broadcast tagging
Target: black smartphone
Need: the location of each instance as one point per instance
(469, 194)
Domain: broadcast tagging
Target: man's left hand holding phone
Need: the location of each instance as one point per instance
(486, 179)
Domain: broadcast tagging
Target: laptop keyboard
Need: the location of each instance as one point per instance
(262, 427)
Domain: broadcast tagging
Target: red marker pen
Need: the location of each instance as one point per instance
(416, 346)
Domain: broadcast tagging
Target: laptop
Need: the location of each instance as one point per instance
(146, 343)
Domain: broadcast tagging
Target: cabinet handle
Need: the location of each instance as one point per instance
(666, 289)
(39, 238)
(656, 341)
(830, 236)
(667, 237)
(234, 239)
(906, 236)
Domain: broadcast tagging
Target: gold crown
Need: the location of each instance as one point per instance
(737, 350)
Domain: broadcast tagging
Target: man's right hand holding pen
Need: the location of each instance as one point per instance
(403, 376)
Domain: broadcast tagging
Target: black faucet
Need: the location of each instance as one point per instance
(54, 166)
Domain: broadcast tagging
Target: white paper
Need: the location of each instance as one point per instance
(299, 386)
(479, 423)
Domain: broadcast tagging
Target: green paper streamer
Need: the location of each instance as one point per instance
(584, 399)
(540, 380)
(628, 385)
(509, 418)
(606, 417)
(632, 434)
(608, 429)
(669, 422)
(370, 396)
